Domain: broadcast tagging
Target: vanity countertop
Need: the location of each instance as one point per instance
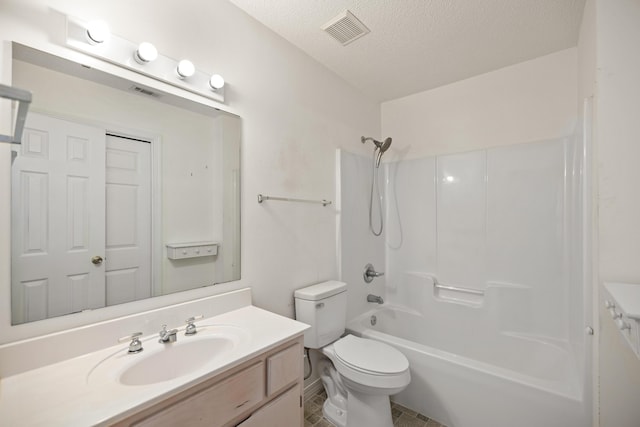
(627, 298)
(62, 394)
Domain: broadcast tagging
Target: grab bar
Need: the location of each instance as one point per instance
(457, 288)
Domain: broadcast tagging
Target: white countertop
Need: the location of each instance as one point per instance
(627, 298)
(61, 394)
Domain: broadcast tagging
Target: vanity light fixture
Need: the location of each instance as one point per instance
(97, 32)
(216, 82)
(145, 53)
(185, 69)
(95, 39)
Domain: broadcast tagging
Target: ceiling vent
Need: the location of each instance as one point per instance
(345, 28)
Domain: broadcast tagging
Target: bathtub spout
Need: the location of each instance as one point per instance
(375, 298)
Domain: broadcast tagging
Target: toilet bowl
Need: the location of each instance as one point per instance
(369, 372)
(358, 374)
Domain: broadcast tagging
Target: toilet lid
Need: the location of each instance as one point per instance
(370, 355)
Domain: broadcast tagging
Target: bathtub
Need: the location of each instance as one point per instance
(486, 379)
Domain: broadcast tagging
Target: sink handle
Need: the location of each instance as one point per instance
(135, 346)
(191, 327)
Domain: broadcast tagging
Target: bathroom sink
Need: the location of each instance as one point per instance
(158, 362)
(174, 360)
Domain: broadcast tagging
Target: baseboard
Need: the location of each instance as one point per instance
(312, 389)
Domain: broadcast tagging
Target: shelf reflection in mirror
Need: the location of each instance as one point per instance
(110, 172)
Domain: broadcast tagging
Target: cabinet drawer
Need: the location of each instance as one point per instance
(284, 368)
(283, 411)
(215, 405)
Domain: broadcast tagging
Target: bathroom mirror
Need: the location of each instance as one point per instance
(120, 191)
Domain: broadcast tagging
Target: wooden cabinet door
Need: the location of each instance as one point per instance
(284, 411)
(284, 368)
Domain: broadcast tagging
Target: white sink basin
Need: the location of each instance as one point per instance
(174, 360)
(158, 362)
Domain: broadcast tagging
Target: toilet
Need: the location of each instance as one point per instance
(359, 374)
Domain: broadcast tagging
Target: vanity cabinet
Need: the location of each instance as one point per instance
(263, 391)
(281, 412)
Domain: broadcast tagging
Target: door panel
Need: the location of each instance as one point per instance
(283, 411)
(58, 193)
(128, 225)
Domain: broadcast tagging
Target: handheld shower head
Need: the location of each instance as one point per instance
(381, 147)
(384, 146)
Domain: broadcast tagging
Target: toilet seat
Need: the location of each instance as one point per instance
(369, 365)
(370, 356)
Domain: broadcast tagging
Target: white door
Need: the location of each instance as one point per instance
(128, 220)
(58, 209)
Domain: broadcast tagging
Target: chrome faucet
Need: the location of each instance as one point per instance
(167, 336)
(375, 298)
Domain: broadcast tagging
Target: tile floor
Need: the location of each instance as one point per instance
(402, 417)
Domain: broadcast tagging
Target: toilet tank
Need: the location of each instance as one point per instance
(324, 308)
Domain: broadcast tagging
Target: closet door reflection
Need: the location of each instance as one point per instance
(128, 209)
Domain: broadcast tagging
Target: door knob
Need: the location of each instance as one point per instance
(97, 260)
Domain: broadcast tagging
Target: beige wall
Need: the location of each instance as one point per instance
(530, 101)
(618, 207)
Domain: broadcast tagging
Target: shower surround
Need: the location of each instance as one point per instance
(484, 285)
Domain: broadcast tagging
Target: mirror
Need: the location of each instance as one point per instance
(120, 191)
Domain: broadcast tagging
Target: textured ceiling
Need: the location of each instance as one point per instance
(415, 45)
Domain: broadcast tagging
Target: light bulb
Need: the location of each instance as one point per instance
(97, 32)
(185, 69)
(146, 53)
(216, 82)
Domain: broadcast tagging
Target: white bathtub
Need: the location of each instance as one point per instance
(487, 379)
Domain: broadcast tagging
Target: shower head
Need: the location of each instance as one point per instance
(381, 147)
(384, 146)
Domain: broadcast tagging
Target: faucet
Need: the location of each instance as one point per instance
(167, 336)
(375, 298)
